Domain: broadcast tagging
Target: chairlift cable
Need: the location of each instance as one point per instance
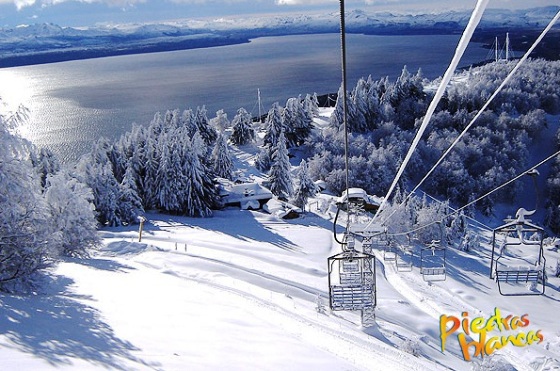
(461, 47)
(557, 153)
(484, 107)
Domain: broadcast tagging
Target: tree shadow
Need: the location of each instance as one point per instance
(244, 227)
(102, 264)
(58, 328)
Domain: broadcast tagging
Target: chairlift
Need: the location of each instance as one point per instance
(518, 264)
(404, 259)
(352, 284)
(390, 251)
(433, 262)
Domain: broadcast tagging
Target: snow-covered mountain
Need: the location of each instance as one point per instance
(41, 43)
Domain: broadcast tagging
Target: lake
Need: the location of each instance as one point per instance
(74, 103)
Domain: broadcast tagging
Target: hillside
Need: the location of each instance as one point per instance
(245, 290)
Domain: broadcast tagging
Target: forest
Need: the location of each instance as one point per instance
(171, 164)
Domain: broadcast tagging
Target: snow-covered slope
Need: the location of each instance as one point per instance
(247, 291)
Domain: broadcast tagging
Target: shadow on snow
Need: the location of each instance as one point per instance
(57, 328)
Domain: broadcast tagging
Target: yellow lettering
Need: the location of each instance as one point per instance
(492, 345)
(477, 325)
(496, 319)
(444, 330)
(478, 346)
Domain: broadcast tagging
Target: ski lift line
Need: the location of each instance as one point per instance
(344, 97)
(484, 107)
(455, 211)
(478, 199)
(463, 43)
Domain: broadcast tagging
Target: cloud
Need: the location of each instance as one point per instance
(304, 2)
(20, 4)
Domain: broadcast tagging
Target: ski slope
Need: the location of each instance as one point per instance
(244, 290)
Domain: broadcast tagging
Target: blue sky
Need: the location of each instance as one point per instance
(89, 12)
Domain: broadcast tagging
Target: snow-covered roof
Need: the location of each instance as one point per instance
(281, 209)
(359, 193)
(248, 195)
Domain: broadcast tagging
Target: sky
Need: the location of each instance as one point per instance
(90, 12)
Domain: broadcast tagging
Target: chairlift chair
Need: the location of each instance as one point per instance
(433, 262)
(518, 265)
(352, 284)
(404, 259)
(390, 251)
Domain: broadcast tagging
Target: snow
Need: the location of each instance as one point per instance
(241, 291)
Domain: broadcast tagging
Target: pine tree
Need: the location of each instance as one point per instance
(279, 176)
(336, 121)
(201, 195)
(220, 123)
(46, 163)
(99, 177)
(273, 124)
(221, 158)
(207, 132)
(171, 193)
(130, 203)
(311, 106)
(263, 162)
(243, 132)
(305, 186)
(296, 123)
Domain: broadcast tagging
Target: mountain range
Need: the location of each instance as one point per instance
(45, 43)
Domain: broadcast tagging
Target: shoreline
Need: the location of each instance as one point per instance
(548, 49)
(65, 55)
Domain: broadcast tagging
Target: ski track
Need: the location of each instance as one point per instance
(363, 351)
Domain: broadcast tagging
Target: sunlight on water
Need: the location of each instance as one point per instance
(16, 91)
(73, 104)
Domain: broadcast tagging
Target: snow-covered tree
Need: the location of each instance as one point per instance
(130, 202)
(305, 187)
(273, 124)
(72, 215)
(46, 163)
(201, 195)
(171, 192)
(221, 158)
(311, 106)
(429, 221)
(243, 132)
(279, 177)
(336, 121)
(105, 188)
(207, 131)
(263, 162)
(25, 243)
(220, 123)
(296, 123)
